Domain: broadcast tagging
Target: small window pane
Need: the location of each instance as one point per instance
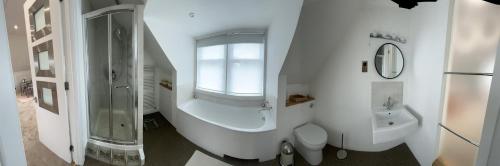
(246, 77)
(246, 69)
(44, 60)
(47, 96)
(40, 19)
(466, 101)
(211, 52)
(247, 51)
(454, 151)
(211, 70)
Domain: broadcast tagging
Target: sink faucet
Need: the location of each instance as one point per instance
(389, 104)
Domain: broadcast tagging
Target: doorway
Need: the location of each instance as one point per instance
(36, 152)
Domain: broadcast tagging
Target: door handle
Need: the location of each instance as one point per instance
(122, 86)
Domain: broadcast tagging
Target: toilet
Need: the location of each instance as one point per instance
(309, 142)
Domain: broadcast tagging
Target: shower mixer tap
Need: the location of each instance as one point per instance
(122, 86)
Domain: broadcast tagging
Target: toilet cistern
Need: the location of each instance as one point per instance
(388, 105)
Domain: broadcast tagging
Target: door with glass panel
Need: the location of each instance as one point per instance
(46, 55)
(111, 77)
(468, 78)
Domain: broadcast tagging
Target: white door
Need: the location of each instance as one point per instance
(46, 54)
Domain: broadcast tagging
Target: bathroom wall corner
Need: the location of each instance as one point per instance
(430, 26)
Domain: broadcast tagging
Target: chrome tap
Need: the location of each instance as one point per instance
(266, 106)
(389, 104)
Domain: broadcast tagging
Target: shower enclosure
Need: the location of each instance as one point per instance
(114, 57)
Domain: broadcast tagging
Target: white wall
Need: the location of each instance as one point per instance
(333, 41)
(19, 53)
(176, 33)
(279, 38)
(293, 116)
(11, 146)
(489, 152)
(154, 55)
(430, 27)
(19, 57)
(179, 49)
(328, 49)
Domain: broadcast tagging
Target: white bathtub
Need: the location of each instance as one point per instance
(241, 132)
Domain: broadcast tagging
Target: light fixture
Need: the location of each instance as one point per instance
(493, 1)
(16, 27)
(191, 14)
(408, 4)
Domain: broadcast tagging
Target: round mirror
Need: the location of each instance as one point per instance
(389, 61)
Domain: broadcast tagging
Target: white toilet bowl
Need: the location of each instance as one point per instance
(310, 140)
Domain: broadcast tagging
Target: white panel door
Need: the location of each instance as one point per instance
(45, 44)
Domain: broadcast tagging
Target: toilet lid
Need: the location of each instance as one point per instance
(311, 134)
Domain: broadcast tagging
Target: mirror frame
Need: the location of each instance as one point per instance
(375, 59)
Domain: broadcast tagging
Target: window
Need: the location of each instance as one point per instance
(231, 64)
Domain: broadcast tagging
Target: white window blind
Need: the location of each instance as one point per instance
(211, 68)
(231, 64)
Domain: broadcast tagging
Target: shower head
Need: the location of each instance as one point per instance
(118, 33)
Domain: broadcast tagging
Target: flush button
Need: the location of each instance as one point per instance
(364, 66)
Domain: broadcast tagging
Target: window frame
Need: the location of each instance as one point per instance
(226, 95)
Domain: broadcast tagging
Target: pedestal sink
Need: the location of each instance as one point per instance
(394, 124)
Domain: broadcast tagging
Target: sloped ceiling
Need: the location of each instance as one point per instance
(322, 30)
(319, 32)
(176, 23)
(153, 48)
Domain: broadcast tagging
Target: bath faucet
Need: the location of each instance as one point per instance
(266, 106)
(388, 105)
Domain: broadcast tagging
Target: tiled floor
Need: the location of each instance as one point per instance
(163, 146)
(36, 153)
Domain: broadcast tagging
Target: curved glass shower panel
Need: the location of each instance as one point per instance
(111, 77)
(123, 77)
(97, 76)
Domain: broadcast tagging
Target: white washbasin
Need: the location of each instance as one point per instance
(394, 124)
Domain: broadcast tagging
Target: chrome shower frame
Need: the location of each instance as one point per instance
(137, 48)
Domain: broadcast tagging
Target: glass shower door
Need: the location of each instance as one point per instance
(97, 77)
(111, 77)
(123, 126)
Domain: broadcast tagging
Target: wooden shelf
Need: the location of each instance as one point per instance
(293, 102)
(169, 87)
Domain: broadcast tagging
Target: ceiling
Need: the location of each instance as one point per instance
(15, 16)
(97, 4)
(211, 16)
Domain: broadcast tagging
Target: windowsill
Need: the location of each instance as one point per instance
(230, 100)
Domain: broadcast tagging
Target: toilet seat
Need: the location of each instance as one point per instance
(311, 136)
